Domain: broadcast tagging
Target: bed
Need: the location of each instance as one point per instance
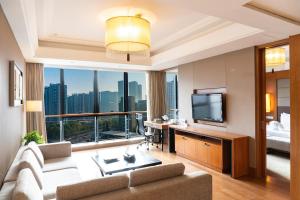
(278, 134)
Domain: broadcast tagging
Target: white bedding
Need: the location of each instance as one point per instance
(278, 138)
(278, 133)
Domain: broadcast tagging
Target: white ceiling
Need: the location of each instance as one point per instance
(80, 22)
(72, 32)
(286, 9)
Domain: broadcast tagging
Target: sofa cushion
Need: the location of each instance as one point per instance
(156, 173)
(37, 152)
(53, 179)
(92, 187)
(56, 150)
(27, 187)
(28, 160)
(13, 171)
(7, 190)
(59, 163)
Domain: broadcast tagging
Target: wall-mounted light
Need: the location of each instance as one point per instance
(268, 102)
(275, 56)
(34, 106)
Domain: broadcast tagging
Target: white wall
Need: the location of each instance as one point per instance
(12, 119)
(234, 71)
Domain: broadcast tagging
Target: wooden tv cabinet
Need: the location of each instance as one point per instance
(221, 151)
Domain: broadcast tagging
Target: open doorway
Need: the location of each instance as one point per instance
(277, 105)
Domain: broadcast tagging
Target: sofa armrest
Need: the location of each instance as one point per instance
(56, 150)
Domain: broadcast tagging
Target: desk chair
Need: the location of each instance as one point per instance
(141, 130)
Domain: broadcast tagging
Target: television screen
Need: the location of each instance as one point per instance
(208, 107)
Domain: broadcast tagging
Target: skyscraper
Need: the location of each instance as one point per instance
(121, 95)
(135, 90)
(141, 105)
(109, 101)
(81, 103)
(52, 98)
(171, 96)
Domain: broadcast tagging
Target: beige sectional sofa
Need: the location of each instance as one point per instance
(51, 174)
(51, 165)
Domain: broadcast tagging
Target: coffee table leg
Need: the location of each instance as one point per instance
(162, 139)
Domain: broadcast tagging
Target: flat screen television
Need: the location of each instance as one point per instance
(208, 107)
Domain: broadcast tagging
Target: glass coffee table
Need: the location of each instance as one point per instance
(121, 165)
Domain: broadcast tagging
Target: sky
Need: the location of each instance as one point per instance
(81, 81)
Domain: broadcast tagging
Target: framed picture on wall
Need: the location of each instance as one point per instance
(15, 85)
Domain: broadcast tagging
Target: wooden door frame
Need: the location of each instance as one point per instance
(295, 115)
(260, 106)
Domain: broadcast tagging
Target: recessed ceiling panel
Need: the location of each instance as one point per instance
(288, 10)
(80, 21)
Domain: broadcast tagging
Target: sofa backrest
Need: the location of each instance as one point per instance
(13, 171)
(155, 173)
(159, 183)
(92, 187)
(193, 186)
(28, 160)
(26, 187)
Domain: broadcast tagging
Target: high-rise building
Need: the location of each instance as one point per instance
(141, 105)
(120, 89)
(81, 103)
(52, 99)
(109, 101)
(171, 95)
(121, 95)
(135, 90)
(140, 92)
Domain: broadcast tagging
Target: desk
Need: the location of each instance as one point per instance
(163, 128)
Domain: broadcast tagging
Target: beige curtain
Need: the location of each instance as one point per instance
(35, 91)
(157, 94)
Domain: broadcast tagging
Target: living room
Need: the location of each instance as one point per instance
(179, 109)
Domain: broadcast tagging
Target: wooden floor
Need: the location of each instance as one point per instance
(224, 187)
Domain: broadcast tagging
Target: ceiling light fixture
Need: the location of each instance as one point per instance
(128, 34)
(275, 56)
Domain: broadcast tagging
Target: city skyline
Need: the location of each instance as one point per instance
(107, 80)
(109, 101)
(110, 95)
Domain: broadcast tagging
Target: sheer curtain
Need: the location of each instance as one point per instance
(35, 91)
(156, 92)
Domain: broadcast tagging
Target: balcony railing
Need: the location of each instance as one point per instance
(91, 127)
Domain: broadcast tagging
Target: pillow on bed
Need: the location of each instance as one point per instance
(285, 120)
(275, 125)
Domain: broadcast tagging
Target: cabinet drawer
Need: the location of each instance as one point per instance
(190, 145)
(215, 157)
(179, 144)
(201, 151)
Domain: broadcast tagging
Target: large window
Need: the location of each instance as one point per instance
(79, 91)
(111, 91)
(52, 91)
(137, 91)
(52, 103)
(111, 99)
(171, 94)
(96, 103)
(137, 100)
